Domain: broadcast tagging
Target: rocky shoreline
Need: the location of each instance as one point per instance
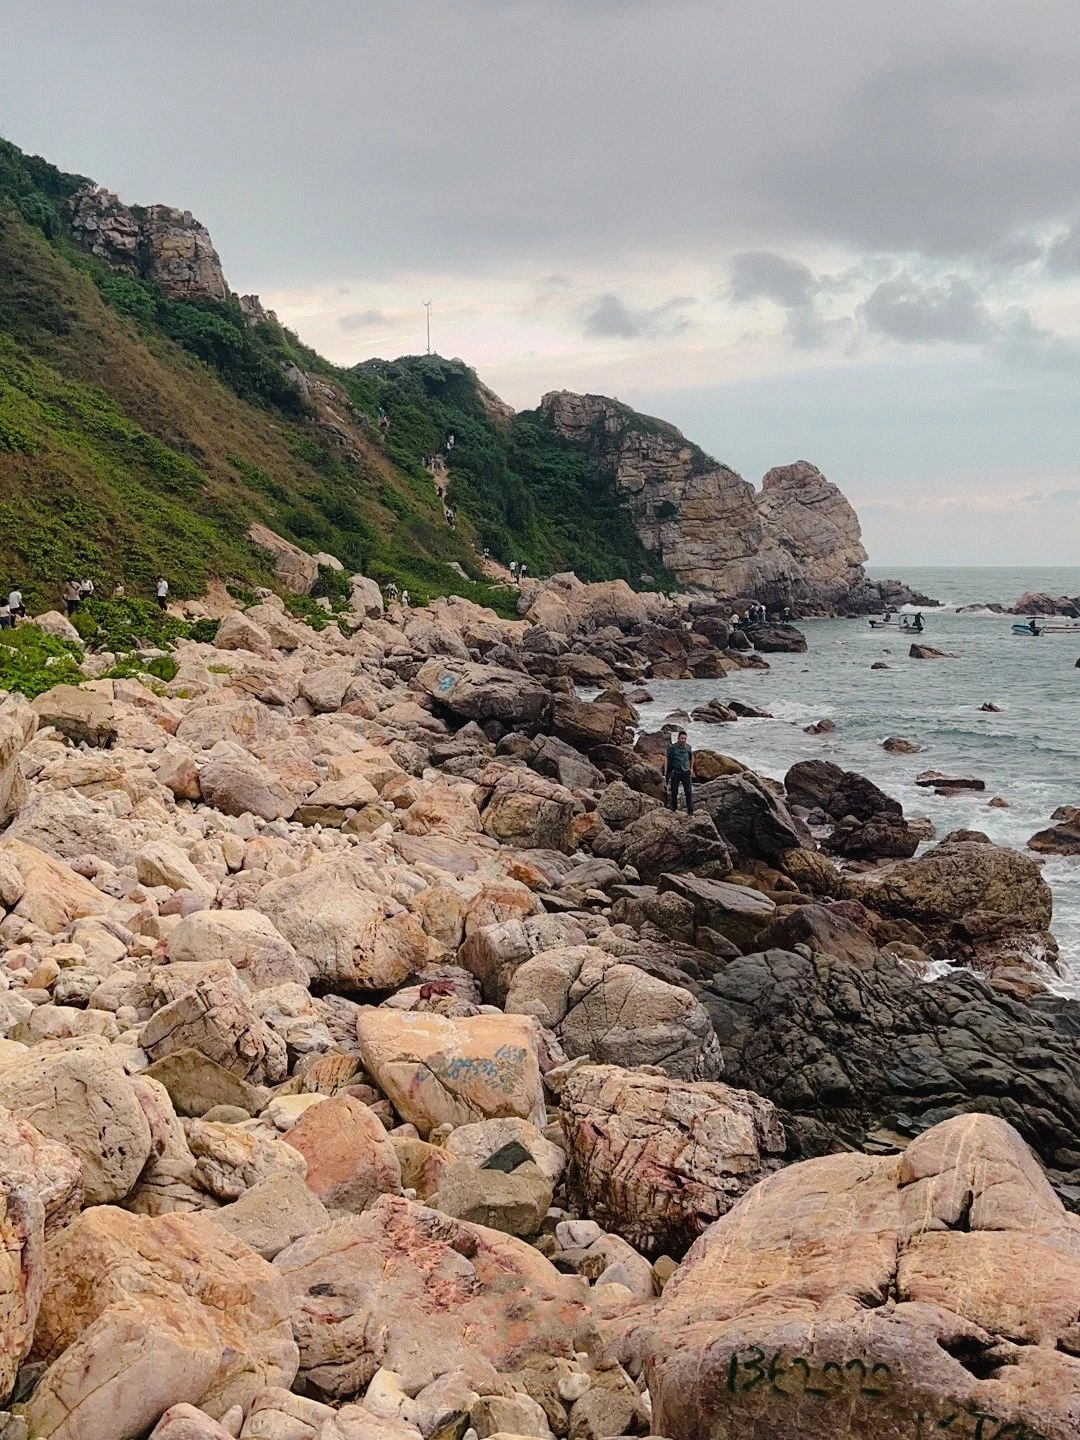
(382, 1061)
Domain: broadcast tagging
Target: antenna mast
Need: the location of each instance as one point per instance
(427, 307)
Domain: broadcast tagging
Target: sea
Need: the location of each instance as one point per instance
(1028, 752)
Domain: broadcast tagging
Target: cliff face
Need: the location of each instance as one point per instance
(797, 541)
(166, 246)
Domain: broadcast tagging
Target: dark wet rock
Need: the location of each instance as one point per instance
(882, 837)
(927, 652)
(734, 911)
(714, 712)
(824, 928)
(748, 712)
(941, 782)
(662, 841)
(777, 639)
(900, 745)
(845, 1046)
(821, 785)
(749, 816)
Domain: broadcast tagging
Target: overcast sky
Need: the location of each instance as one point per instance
(839, 231)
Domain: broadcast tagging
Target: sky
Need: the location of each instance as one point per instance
(842, 231)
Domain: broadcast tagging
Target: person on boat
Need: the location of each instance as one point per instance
(886, 619)
(917, 624)
(1032, 626)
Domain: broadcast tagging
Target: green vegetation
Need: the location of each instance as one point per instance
(127, 624)
(129, 667)
(142, 434)
(32, 662)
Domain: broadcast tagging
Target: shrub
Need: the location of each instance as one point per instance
(33, 662)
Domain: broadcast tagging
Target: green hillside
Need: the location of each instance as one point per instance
(141, 434)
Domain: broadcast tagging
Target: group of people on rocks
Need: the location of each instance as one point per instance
(518, 571)
(392, 595)
(75, 593)
(759, 615)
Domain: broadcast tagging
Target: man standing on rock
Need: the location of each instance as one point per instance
(679, 770)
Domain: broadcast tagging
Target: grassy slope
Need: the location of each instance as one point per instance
(139, 434)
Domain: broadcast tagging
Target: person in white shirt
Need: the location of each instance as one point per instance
(162, 592)
(15, 605)
(404, 599)
(6, 621)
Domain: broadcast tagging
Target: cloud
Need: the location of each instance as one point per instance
(612, 318)
(763, 275)
(917, 312)
(1029, 346)
(364, 320)
(1063, 254)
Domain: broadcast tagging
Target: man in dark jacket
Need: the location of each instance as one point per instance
(679, 770)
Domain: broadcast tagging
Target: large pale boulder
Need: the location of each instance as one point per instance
(245, 787)
(17, 725)
(273, 1214)
(244, 939)
(530, 812)
(52, 894)
(349, 938)
(930, 1293)
(295, 568)
(436, 1070)
(215, 1017)
(484, 692)
(615, 1013)
(140, 1314)
(349, 1158)
(85, 716)
(658, 1160)
(238, 631)
(493, 952)
(230, 1160)
(76, 1093)
(162, 863)
(407, 1289)
(51, 1171)
(249, 722)
(67, 826)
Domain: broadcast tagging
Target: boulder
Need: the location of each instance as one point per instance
(749, 816)
(273, 1214)
(186, 1422)
(245, 787)
(437, 1070)
(76, 1093)
(85, 716)
(960, 890)
(658, 1160)
(821, 785)
(140, 1314)
(197, 1084)
(615, 1013)
(477, 1144)
(1062, 838)
(927, 652)
(17, 725)
(846, 1045)
(349, 1158)
(514, 1202)
(484, 692)
(584, 723)
(244, 939)
(529, 812)
(34, 1166)
(215, 1017)
(660, 841)
(162, 863)
(734, 911)
(349, 937)
(410, 1290)
(238, 631)
(882, 837)
(493, 952)
(248, 722)
(942, 783)
(365, 596)
(933, 1292)
(781, 639)
(297, 570)
(52, 895)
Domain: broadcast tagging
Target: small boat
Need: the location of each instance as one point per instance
(1027, 630)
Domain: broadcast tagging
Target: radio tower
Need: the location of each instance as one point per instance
(427, 307)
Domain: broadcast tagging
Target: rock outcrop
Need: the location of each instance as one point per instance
(795, 542)
(935, 1292)
(157, 243)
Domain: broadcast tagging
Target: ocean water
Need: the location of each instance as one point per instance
(1029, 753)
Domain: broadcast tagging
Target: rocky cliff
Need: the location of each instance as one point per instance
(796, 541)
(168, 247)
